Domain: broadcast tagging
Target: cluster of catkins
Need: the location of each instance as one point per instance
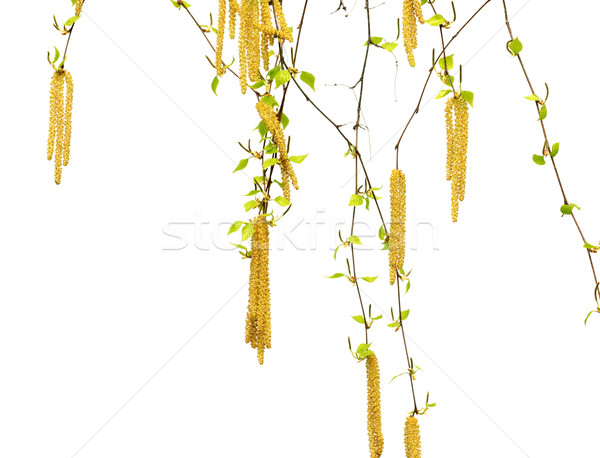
(374, 407)
(256, 33)
(411, 13)
(59, 131)
(412, 438)
(397, 235)
(271, 120)
(457, 134)
(258, 319)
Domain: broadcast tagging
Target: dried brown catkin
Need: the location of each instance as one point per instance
(397, 236)
(374, 407)
(258, 318)
(412, 438)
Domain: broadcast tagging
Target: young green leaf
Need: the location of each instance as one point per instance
(543, 113)
(359, 319)
(309, 79)
(337, 275)
(71, 21)
(369, 279)
(247, 231)
(282, 201)
(235, 227)
(389, 46)
(242, 165)
(354, 240)
(282, 77)
(443, 93)
(269, 162)
(215, 84)
(436, 20)
(250, 205)
(298, 159)
(539, 160)
(356, 200)
(468, 97)
(555, 148)
(568, 209)
(405, 314)
(515, 46)
(447, 63)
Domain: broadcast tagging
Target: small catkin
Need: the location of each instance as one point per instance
(265, 37)
(220, 38)
(412, 438)
(286, 34)
(78, 7)
(374, 407)
(68, 118)
(397, 236)
(462, 142)
(449, 112)
(258, 318)
(233, 11)
(418, 11)
(409, 30)
(271, 120)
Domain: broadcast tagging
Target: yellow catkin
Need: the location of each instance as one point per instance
(78, 7)
(449, 112)
(68, 117)
(418, 11)
(233, 11)
(54, 94)
(457, 133)
(397, 236)
(258, 318)
(412, 438)
(253, 44)
(265, 37)
(288, 175)
(286, 34)
(220, 37)
(409, 30)
(374, 407)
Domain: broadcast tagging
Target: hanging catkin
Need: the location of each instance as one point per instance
(273, 125)
(78, 7)
(256, 33)
(374, 407)
(457, 137)
(411, 13)
(59, 130)
(412, 438)
(258, 318)
(397, 236)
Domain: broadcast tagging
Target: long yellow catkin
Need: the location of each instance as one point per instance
(412, 438)
(409, 30)
(374, 407)
(68, 117)
(457, 136)
(418, 11)
(272, 123)
(255, 34)
(258, 318)
(397, 237)
(59, 125)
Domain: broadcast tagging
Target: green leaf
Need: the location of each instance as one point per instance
(369, 279)
(395, 324)
(235, 227)
(533, 98)
(56, 55)
(435, 20)
(242, 165)
(356, 200)
(468, 97)
(282, 77)
(269, 162)
(298, 159)
(282, 201)
(589, 246)
(215, 84)
(285, 121)
(338, 275)
(269, 100)
(359, 319)
(587, 317)
(71, 21)
(309, 79)
(448, 80)
(374, 40)
(539, 160)
(443, 93)
(258, 84)
(555, 148)
(377, 318)
(405, 314)
(543, 113)
(355, 240)
(247, 231)
(447, 63)
(568, 209)
(250, 205)
(382, 233)
(515, 46)
(271, 74)
(262, 129)
(389, 46)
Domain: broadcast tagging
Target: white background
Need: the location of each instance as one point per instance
(117, 340)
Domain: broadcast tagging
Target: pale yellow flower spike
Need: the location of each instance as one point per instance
(462, 142)
(52, 124)
(253, 44)
(68, 117)
(374, 407)
(285, 32)
(242, 40)
(397, 236)
(449, 112)
(233, 10)
(272, 123)
(418, 11)
(412, 438)
(78, 7)
(258, 319)
(265, 37)
(220, 37)
(409, 30)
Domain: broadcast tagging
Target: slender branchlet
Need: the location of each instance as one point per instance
(412, 438)
(258, 318)
(374, 407)
(397, 236)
